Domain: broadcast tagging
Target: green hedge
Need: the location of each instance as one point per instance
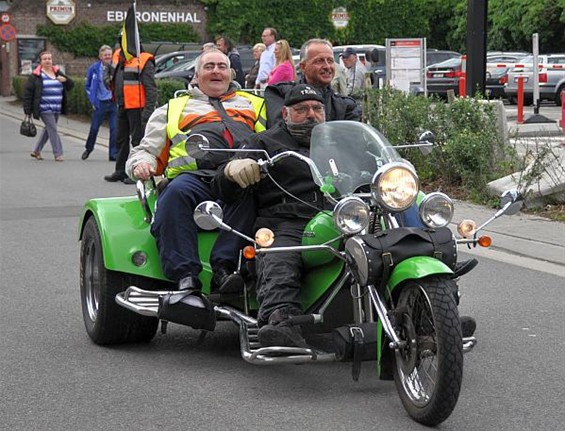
(79, 104)
(470, 150)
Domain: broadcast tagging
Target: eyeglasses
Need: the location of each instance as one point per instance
(209, 67)
(303, 109)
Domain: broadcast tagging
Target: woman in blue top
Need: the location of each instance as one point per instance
(45, 97)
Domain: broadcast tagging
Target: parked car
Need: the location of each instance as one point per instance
(164, 61)
(551, 78)
(434, 56)
(183, 71)
(446, 75)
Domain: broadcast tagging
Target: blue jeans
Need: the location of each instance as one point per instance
(176, 232)
(107, 109)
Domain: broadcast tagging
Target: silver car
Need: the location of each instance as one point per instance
(551, 78)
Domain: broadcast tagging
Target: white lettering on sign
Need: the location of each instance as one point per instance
(168, 17)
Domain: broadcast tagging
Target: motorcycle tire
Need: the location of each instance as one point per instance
(106, 322)
(428, 370)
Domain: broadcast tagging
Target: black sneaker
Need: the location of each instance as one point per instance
(278, 332)
(85, 154)
(468, 326)
(226, 281)
(128, 180)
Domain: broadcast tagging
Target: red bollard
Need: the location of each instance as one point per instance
(520, 119)
(462, 85)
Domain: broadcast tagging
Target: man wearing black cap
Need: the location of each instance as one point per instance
(279, 274)
(318, 68)
(355, 71)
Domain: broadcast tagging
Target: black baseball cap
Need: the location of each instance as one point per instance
(301, 92)
(347, 52)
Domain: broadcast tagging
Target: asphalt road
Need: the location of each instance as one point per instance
(53, 378)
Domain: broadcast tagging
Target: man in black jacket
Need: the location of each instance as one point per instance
(279, 274)
(318, 68)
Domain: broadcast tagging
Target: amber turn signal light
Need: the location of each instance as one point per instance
(249, 252)
(485, 241)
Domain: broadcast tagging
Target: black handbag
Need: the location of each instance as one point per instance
(27, 128)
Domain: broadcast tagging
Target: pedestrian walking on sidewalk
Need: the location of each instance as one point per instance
(45, 97)
(103, 105)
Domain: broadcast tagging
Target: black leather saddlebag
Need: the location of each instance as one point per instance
(386, 249)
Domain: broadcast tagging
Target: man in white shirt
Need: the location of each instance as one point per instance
(355, 71)
(267, 60)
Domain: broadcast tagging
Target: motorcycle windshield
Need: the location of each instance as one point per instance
(348, 153)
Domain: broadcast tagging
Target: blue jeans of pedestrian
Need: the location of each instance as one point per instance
(176, 232)
(108, 109)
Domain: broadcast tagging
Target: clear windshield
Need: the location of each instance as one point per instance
(348, 153)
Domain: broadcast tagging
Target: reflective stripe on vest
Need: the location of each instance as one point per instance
(134, 91)
(179, 160)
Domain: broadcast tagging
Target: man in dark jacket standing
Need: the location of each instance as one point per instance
(279, 274)
(135, 92)
(318, 67)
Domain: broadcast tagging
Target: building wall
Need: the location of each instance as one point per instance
(27, 14)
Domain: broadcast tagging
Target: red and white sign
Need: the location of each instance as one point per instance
(5, 18)
(340, 17)
(7, 32)
(61, 11)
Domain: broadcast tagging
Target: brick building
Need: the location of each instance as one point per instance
(19, 55)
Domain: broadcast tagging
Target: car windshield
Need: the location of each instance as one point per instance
(452, 62)
(181, 65)
(348, 153)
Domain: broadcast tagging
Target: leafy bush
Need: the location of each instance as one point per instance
(84, 39)
(469, 151)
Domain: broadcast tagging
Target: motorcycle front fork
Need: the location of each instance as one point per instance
(365, 301)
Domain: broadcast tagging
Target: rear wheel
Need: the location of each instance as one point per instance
(106, 322)
(429, 367)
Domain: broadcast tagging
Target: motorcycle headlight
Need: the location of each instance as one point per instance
(436, 210)
(351, 215)
(395, 186)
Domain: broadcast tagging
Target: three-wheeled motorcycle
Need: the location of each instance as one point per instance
(372, 290)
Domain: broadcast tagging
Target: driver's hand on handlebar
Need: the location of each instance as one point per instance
(143, 171)
(244, 172)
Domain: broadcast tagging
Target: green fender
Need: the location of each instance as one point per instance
(124, 232)
(417, 267)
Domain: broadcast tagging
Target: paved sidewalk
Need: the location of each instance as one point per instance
(521, 235)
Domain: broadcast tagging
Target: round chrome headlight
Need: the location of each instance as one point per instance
(436, 210)
(351, 215)
(395, 186)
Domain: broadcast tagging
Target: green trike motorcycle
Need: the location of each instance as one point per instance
(373, 289)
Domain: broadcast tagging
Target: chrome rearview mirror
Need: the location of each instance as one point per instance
(197, 145)
(208, 215)
(426, 141)
(511, 201)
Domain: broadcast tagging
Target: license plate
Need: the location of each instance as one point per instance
(437, 75)
(525, 78)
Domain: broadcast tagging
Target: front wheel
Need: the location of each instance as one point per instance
(106, 322)
(429, 367)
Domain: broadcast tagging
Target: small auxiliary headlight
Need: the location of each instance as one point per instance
(467, 228)
(395, 186)
(265, 237)
(436, 210)
(351, 215)
(139, 258)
